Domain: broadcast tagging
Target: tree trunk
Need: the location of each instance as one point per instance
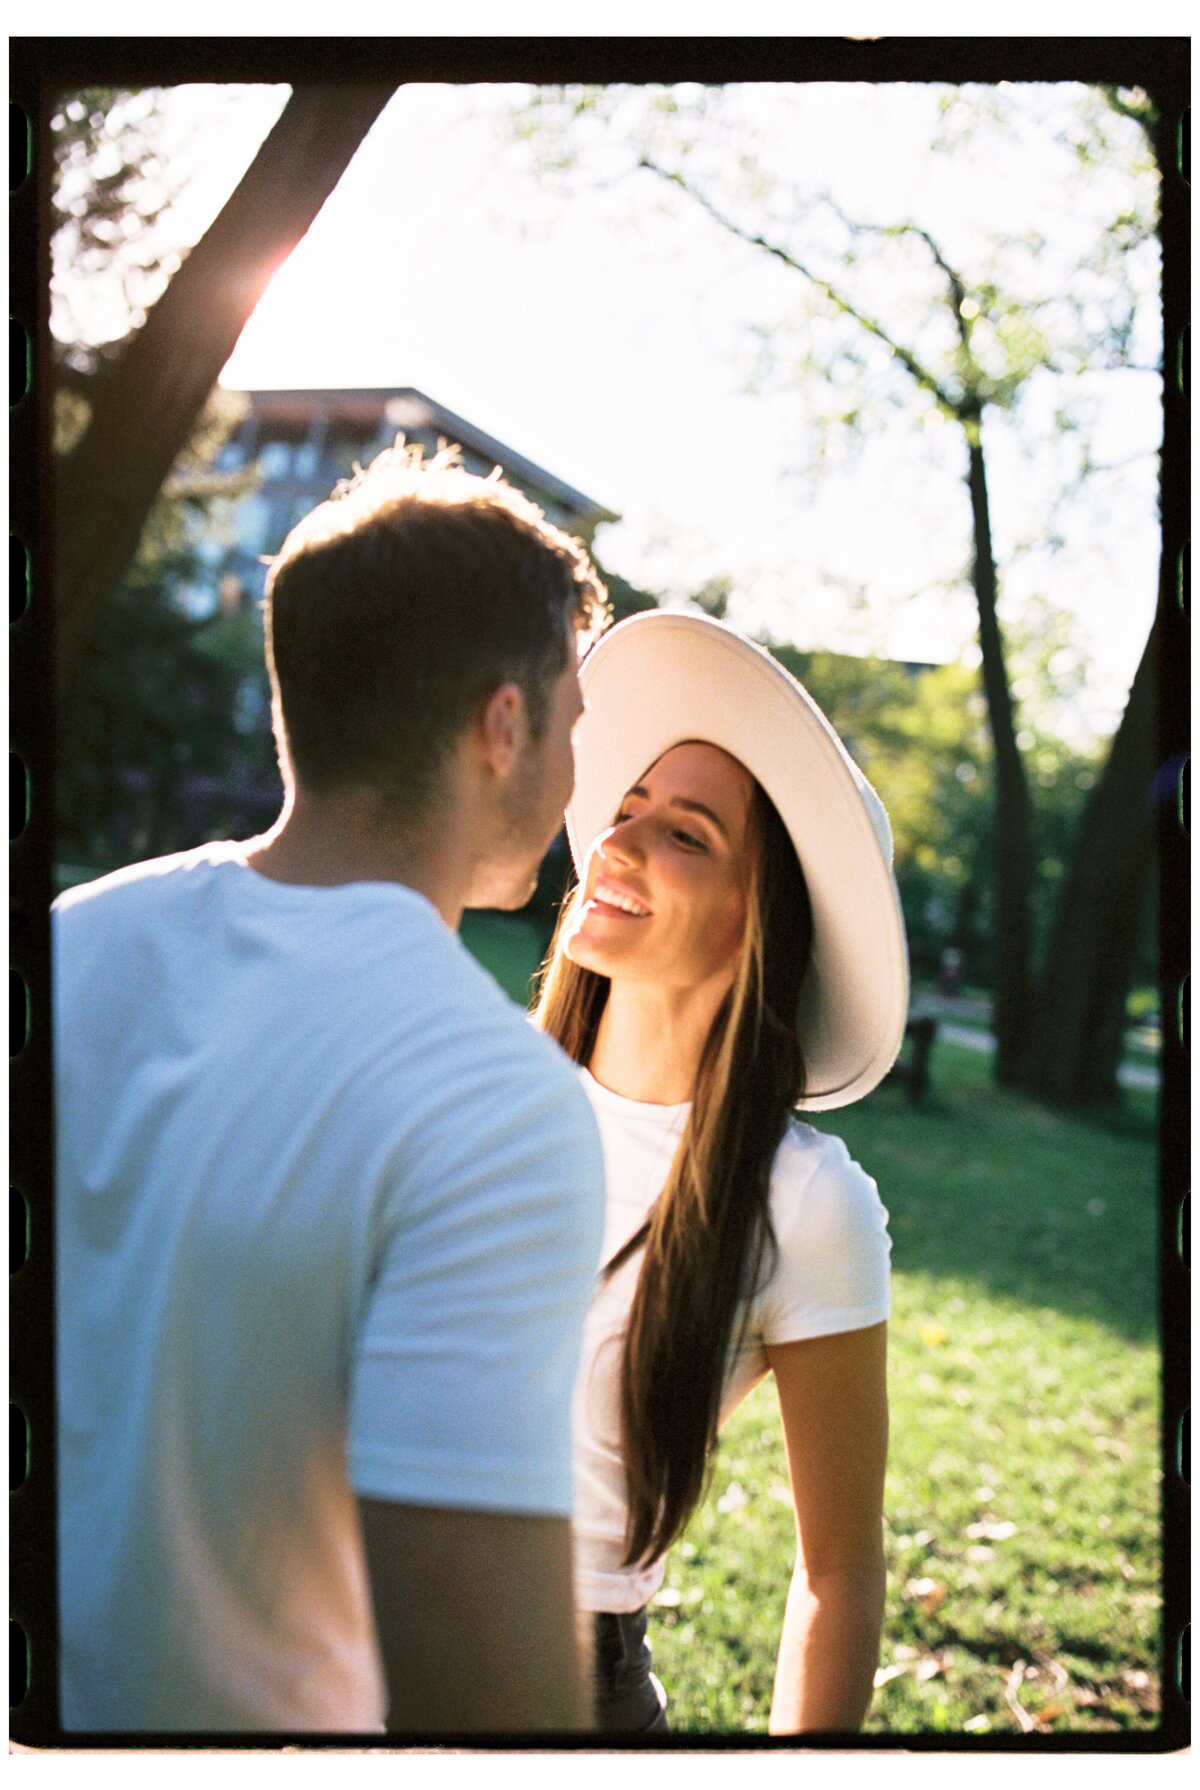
(1010, 843)
(146, 405)
(1077, 1024)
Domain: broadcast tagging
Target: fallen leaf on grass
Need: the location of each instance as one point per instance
(885, 1674)
(1050, 1713)
(929, 1592)
(923, 1670)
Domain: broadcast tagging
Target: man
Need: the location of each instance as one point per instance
(329, 1209)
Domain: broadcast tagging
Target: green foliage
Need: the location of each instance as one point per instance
(919, 734)
(1022, 1526)
(163, 729)
(624, 599)
(713, 596)
(114, 244)
(163, 733)
(508, 946)
(164, 700)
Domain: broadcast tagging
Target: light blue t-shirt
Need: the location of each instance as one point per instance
(328, 1217)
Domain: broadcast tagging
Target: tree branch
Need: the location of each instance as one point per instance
(923, 377)
(148, 401)
(958, 290)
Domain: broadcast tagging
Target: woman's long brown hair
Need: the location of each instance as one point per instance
(709, 1232)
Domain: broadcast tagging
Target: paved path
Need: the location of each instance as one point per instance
(1130, 1075)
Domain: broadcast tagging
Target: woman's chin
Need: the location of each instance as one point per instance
(584, 950)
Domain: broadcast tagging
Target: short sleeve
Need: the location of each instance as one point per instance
(832, 1271)
(490, 1227)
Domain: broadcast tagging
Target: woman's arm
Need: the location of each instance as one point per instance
(833, 1398)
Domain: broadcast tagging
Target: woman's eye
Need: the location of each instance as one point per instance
(689, 839)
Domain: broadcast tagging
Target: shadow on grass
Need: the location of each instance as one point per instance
(1050, 1207)
(1054, 1208)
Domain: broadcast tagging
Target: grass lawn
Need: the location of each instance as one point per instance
(1023, 1482)
(1023, 1534)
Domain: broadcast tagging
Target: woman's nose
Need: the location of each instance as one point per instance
(622, 843)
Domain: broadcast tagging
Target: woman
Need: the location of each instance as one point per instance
(734, 950)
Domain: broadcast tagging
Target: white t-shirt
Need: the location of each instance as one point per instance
(328, 1219)
(830, 1275)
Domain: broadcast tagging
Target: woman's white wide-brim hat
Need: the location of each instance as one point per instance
(663, 677)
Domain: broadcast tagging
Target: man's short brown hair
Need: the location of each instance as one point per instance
(397, 605)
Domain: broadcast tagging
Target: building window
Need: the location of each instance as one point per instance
(275, 459)
(253, 521)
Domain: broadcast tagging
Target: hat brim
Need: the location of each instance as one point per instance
(662, 677)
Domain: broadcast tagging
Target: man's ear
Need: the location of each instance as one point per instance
(501, 724)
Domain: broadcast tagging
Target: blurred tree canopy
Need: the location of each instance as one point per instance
(116, 237)
(162, 732)
(1002, 329)
(920, 736)
(138, 409)
(624, 599)
(166, 739)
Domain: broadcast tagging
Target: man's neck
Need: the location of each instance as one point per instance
(348, 836)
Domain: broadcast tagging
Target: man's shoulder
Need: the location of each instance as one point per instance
(423, 1009)
(466, 1014)
(150, 876)
(472, 1095)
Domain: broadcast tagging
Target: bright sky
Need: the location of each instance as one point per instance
(607, 339)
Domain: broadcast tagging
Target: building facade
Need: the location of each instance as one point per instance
(299, 444)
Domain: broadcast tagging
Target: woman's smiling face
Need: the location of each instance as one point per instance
(664, 895)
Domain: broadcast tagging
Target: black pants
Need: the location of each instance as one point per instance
(629, 1698)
